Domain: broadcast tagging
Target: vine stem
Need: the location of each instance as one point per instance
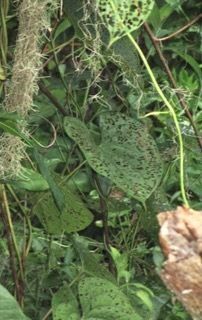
(10, 223)
(173, 83)
(163, 97)
(174, 34)
(172, 112)
(13, 247)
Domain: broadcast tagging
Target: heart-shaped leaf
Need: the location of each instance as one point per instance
(127, 154)
(101, 299)
(74, 216)
(123, 16)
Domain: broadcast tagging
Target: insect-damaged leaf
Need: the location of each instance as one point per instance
(127, 154)
(101, 299)
(74, 216)
(123, 16)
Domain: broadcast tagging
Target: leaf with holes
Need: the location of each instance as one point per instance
(122, 54)
(127, 155)
(74, 216)
(124, 16)
(101, 299)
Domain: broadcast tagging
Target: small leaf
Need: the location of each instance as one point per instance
(12, 128)
(74, 216)
(65, 305)
(57, 194)
(2, 74)
(30, 180)
(190, 60)
(121, 263)
(9, 308)
(64, 25)
(145, 295)
(90, 262)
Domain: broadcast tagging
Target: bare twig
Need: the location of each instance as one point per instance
(52, 98)
(47, 314)
(18, 280)
(173, 82)
(104, 212)
(174, 34)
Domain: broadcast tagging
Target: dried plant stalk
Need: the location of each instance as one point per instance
(27, 58)
(181, 241)
(32, 16)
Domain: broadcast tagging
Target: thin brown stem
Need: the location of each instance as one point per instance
(11, 248)
(52, 98)
(47, 314)
(173, 82)
(176, 33)
(104, 213)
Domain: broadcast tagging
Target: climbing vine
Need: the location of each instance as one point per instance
(100, 130)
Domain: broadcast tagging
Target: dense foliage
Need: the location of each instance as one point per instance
(112, 137)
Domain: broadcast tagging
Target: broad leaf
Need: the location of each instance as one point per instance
(123, 55)
(56, 192)
(30, 180)
(101, 299)
(123, 16)
(127, 155)
(65, 305)
(85, 20)
(74, 216)
(9, 308)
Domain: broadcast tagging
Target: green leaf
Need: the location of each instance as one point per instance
(189, 59)
(12, 128)
(85, 19)
(142, 300)
(10, 116)
(121, 263)
(145, 295)
(125, 56)
(165, 12)
(64, 25)
(128, 155)
(57, 194)
(30, 180)
(9, 308)
(2, 74)
(101, 299)
(154, 17)
(90, 263)
(74, 11)
(64, 305)
(73, 217)
(122, 17)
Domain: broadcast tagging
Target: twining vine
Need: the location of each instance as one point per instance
(122, 18)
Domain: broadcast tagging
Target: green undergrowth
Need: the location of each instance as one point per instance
(107, 146)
